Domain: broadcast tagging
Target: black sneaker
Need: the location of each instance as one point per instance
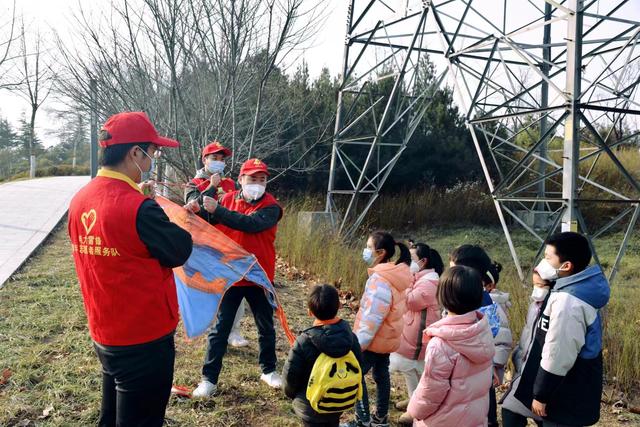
(377, 421)
(355, 423)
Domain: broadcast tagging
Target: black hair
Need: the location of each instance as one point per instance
(113, 155)
(384, 240)
(460, 290)
(324, 302)
(475, 257)
(573, 247)
(434, 260)
(494, 272)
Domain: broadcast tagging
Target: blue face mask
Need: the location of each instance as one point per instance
(145, 174)
(215, 166)
(367, 256)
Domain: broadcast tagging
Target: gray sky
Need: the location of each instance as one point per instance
(324, 51)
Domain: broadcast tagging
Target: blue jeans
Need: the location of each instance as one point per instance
(263, 315)
(379, 365)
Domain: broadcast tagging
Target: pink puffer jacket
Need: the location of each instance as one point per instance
(422, 311)
(454, 388)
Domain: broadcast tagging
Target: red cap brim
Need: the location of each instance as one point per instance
(166, 142)
(225, 152)
(255, 171)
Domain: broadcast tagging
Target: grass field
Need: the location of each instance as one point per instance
(50, 376)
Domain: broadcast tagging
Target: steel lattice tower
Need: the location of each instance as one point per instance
(548, 88)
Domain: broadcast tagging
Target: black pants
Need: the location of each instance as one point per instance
(511, 419)
(493, 408)
(136, 382)
(335, 423)
(378, 363)
(263, 315)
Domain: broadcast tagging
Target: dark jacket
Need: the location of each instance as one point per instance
(334, 340)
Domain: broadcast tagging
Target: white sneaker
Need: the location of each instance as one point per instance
(205, 389)
(237, 340)
(273, 379)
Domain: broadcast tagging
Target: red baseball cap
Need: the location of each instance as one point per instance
(132, 127)
(253, 166)
(215, 147)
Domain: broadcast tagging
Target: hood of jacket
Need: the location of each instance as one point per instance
(499, 297)
(427, 274)
(398, 275)
(468, 334)
(590, 285)
(334, 340)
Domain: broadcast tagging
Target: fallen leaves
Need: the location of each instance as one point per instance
(4, 377)
(46, 413)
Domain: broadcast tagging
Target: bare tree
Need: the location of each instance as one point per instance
(36, 83)
(289, 24)
(199, 68)
(7, 39)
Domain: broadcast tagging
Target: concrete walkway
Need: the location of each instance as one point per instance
(29, 210)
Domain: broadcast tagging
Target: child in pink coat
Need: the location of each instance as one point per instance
(423, 309)
(459, 358)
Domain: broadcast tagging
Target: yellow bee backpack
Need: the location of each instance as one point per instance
(335, 383)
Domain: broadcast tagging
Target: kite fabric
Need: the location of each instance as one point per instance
(216, 263)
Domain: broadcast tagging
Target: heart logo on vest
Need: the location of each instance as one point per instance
(88, 220)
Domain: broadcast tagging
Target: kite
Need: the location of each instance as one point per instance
(216, 263)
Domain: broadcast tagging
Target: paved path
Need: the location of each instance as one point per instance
(29, 210)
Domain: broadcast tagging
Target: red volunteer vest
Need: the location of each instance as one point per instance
(227, 185)
(128, 296)
(262, 244)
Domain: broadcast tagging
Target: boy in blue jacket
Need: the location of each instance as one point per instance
(562, 377)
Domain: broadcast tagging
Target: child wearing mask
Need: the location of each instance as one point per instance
(378, 324)
(458, 361)
(514, 413)
(422, 310)
(495, 305)
(562, 375)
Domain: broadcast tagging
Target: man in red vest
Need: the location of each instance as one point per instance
(249, 216)
(210, 181)
(124, 248)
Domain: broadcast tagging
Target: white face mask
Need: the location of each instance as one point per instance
(539, 294)
(414, 267)
(215, 166)
(547, 271)
(367, 256)
(253, 191)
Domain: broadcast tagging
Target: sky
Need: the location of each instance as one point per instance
(324, 50)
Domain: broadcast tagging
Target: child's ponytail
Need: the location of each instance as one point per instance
(385, 241)
(405, 255)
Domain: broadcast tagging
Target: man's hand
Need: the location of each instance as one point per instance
(148, 188)
(192, 206)
(538, 408)
(210, 204)
(215, 180)
(537, 280)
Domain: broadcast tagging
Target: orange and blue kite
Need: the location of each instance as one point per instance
(216, 263)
